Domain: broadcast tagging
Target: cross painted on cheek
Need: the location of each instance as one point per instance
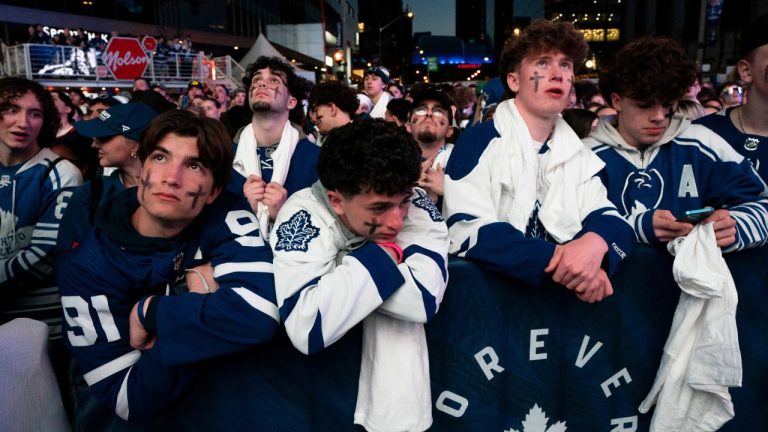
(374, 225)
(535, 78)
(196, 196)
(146, 184)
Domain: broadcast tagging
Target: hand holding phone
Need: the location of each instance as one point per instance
(696, 216)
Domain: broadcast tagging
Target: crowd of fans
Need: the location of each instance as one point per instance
(285, 154)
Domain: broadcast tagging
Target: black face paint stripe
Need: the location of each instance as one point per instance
(374, 225)
(146, 184)
(535, 78)
(196, 196)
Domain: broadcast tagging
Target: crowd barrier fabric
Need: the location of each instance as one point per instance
(503, 357)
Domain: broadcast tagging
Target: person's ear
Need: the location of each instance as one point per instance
(337, 202)
(745, 71)
(513, 81)
(616, 102)
(292, 101)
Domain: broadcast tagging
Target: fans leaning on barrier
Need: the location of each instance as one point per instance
(145, 238)
(658, 165)
(429, 122)
(35, 187)
(375, 83)
(363, 244)
(331, 105)
(746, 127)
(273, 158)
(521, 193)
(116, 134)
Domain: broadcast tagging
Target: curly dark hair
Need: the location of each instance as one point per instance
(12, 89)
(649, 70)
(277, 66)
(213, 142)
(341, 95)
(540, 37)
(369, 155)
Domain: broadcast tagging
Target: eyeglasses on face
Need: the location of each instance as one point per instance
(437, 112)
(732, 90)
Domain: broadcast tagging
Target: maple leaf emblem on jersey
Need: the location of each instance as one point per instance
(423, 202)
(295, 234)
(537, 421)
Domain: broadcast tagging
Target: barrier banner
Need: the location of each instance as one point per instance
(503, 357)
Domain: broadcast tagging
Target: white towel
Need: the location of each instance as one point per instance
(701, 358)
(247, 162)
(380, 108)
(569, 164)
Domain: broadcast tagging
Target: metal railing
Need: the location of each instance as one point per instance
(52, 65)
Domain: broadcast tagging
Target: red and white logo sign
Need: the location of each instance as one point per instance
(149, 43)
(125, 58)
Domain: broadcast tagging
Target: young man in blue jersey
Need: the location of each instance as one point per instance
(521, 193)
(35, 186)
(658, 165)
(362, 244)
(273, 159)
(143, 240)
(746, 127)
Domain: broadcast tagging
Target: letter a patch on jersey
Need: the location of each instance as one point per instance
(295, 234)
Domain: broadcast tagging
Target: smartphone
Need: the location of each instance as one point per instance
(696, 216)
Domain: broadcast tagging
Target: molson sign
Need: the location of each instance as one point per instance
(125, 58)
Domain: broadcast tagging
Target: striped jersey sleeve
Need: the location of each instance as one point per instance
(323, 291)
(242, 312)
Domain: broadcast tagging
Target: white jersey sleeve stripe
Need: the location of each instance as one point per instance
(112, 367)
(259, 303)
(246, 267)
(121, 405)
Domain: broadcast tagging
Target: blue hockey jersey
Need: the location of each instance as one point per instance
(479, 191)
(79, 218)
(688, 168)
(753, 147)
(302, 172)
(113, 266)
(33, 197)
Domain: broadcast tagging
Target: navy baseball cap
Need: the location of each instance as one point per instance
(128, 120)
(381, 71)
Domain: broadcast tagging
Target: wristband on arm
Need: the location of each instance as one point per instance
(148, 320)
(394, 246)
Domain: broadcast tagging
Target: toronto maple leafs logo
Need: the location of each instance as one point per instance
(7, 221)
(295, 234)
(5, 180)
(643, 189)
(536, 421)
(423, 202)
